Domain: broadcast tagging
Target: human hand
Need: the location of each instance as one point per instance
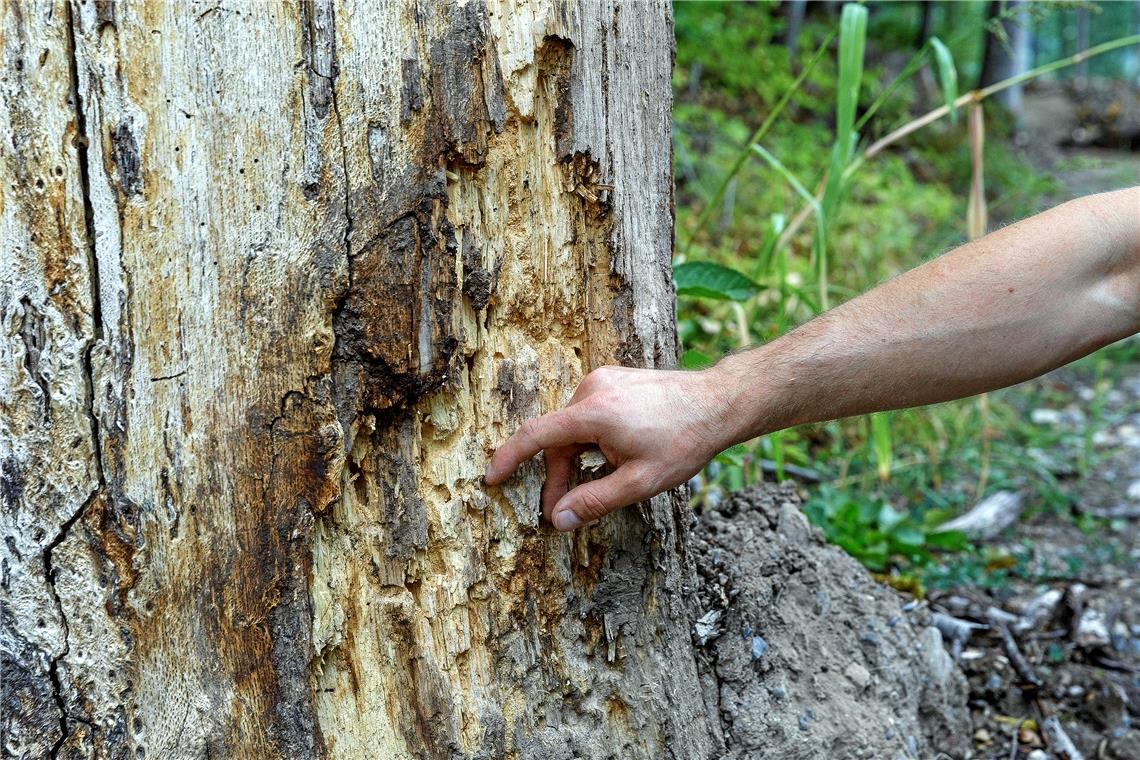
(657, 428)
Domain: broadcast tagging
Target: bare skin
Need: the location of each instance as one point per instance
(1005, 308)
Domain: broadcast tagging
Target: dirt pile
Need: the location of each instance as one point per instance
(804, 655)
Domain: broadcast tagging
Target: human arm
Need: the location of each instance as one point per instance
(1002, 309)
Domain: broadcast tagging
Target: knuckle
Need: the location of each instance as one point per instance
(591, 506)
(644, 483)
(527, 429)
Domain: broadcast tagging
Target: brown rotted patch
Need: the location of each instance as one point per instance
(395, 330)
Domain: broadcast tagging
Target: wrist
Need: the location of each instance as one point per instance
(746, 397)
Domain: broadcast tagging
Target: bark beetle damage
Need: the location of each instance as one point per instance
(125, 156)
(260, 586)
(478, 283)
(466, 84)
(433, 726)
(32, 334)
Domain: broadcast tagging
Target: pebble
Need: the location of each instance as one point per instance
(858, 675)
(1092, 632)
(1134, 490)
(1037, 754)
(759, 647)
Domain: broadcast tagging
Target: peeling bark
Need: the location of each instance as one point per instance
(280, 278)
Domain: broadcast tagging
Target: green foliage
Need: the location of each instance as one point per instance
(875, 533)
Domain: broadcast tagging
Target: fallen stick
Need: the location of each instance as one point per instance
(1030, 681)
(989, 517)
(1058, 741)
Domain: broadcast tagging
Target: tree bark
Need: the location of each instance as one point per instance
(276, 280)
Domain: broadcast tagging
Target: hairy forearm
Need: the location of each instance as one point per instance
(999, 310)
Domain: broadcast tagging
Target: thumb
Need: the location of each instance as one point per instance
(589, 501)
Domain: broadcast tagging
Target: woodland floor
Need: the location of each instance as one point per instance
(1083, 570)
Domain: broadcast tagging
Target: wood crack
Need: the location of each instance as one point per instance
(81, 144)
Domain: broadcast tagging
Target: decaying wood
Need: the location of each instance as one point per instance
(276, 280)
(989, 517)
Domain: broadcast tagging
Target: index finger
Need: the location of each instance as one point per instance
(561, 428)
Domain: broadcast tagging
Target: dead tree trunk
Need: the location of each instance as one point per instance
(276, 279)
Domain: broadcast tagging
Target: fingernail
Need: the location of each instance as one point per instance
(566, 520)
(487, 474)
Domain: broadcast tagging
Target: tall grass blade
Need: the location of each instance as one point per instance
(776, 224)
(852, 41)
(976, 223)
(976, 212)
(947, 75)
(881, 441)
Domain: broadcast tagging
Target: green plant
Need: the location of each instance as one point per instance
(874, 532)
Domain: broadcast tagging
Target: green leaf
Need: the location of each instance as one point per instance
(694, 359)
(948, 540)
(947, 75)
(909, 537)
(889, 518)
(703, 279)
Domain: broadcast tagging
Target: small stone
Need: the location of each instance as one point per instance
(777, 692)
(759, 647)
(1037, 754)
(1045, 416)
(982, 737)
(858, 675)
(1134, 490)
(1028, 737)
(890, 734)
(1092, 630)
(707, 627)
